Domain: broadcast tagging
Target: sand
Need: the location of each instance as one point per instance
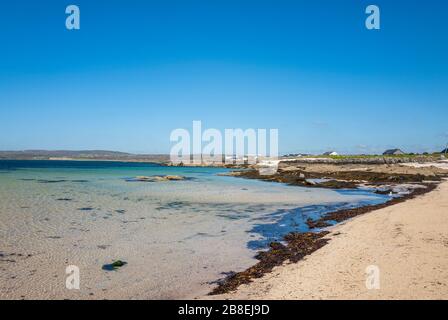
(406, 243)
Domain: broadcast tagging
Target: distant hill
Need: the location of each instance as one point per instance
(81, 155)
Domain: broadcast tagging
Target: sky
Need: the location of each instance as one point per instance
(137, 70)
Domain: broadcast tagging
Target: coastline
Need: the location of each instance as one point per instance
(175, 237)
(143, 161)
(124, 219)
(400, 239)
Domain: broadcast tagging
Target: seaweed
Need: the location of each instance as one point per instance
(341, 215)
(114, 265)
(298, 245)
(50, 181)
(86, 209)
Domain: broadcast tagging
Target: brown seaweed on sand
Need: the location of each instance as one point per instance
(345, 214)
(297, 246)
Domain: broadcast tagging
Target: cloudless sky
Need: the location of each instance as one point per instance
(136, 70)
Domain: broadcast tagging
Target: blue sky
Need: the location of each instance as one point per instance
(136, 70)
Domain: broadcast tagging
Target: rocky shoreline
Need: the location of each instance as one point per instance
(335, 180)
(346, 175)
(298, 245)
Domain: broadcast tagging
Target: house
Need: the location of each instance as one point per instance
(330, 153)
(393, 152)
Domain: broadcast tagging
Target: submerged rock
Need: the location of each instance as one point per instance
(64, 199)
(157, 178)
(174, 177)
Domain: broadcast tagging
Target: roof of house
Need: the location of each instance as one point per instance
(393, 151)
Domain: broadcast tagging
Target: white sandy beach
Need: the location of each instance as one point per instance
(408, 242)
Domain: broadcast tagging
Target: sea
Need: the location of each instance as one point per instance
(61, 219)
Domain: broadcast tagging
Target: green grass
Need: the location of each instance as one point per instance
(372, 156)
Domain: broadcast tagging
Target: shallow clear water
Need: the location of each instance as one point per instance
(176, 236)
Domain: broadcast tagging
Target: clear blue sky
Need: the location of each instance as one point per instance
(138, 69)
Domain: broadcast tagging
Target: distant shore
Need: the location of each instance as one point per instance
(86, 155)
(105, 155)
(161, 162)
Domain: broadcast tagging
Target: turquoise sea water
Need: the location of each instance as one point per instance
(176, 236)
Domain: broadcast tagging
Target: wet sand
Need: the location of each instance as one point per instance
(406, 242)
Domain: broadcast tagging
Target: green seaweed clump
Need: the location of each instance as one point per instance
(114, 265)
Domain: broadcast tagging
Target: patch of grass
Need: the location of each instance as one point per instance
(374, 156)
